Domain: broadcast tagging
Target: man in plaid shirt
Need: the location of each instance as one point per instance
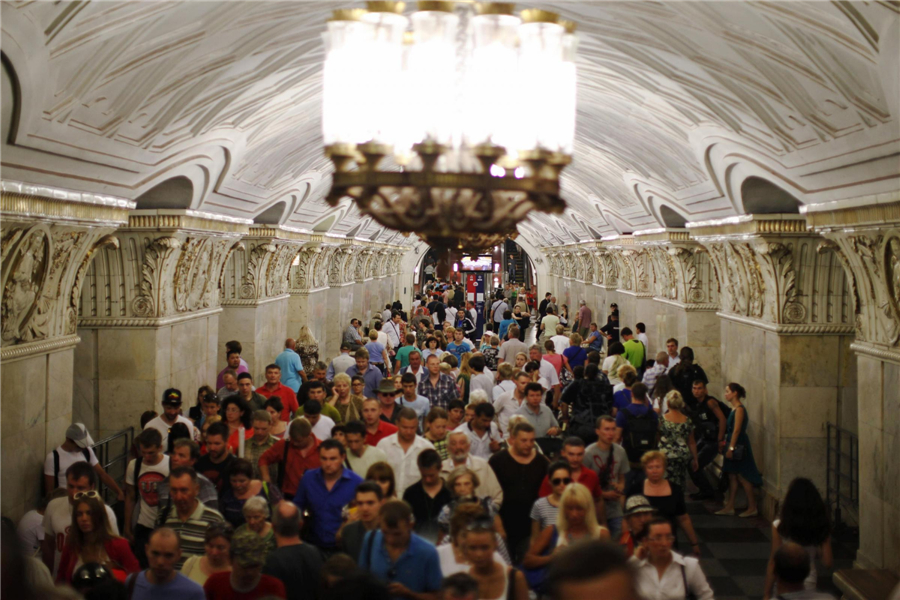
(440, 389)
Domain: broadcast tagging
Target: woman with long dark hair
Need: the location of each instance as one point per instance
(803, 520)
(237, 415)
(739, 463)
(89, 541)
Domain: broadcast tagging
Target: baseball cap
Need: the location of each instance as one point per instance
(172, 397)
(387, 387)
(637, 504)
(248, 548)
(78, 434)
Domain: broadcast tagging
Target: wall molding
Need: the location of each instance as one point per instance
(21, 351)
(781, 329)
(238, 302)
(879, 352)
(150, 323)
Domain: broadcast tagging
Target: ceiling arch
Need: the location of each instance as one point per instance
(119, 96)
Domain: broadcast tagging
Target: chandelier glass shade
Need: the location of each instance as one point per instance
(454, 121)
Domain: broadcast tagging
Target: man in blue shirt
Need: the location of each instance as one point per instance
(370, 373)
(395, 555)
(459, 345)
(505, 323)
(291, 366)
(325, 491)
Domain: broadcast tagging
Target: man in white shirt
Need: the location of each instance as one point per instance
(360, 455)
(394, 329)
(484, 436)
(548, 371)
(672, 351)
(677, 570)
(449, 316)
(560, 340)
(171, 414)
(76, 448)
(321, 424)
(80, 479)
(340, 363)
(386, 313)
(641, 335)
(509, 403)
(403, 448)
(481, 379)
(458, 445)
(142, 476)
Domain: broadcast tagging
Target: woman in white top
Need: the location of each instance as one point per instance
(432, 346)
(663, 574)
(496, 581)
(216, 557)
(611, 363)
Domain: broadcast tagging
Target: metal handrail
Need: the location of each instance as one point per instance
(841, 471)
(117, 464)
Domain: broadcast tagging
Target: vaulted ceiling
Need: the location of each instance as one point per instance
(217, 104)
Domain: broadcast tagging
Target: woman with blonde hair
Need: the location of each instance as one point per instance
(676, 439)
(575, 521)
(665, 496)
(308, 349)
(348, 405)
(462, 483)
(521, 359)
(575, 354)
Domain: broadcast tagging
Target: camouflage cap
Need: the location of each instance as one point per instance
(248, 548)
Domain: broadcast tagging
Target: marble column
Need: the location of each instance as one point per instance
(255, 298)
(786, 330)
(49, 237)
(150, 313)
(864, 235)
(685, 297)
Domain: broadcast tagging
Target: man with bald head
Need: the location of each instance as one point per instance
(288, 361)
(296, 564)
(162, 580)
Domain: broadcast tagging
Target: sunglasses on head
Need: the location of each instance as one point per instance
(561, 480)
(481, 524)
(87, 494)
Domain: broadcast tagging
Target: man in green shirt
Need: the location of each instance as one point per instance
(634, 349)
(401, 360)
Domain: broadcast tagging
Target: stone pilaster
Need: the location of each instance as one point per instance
(785, 336)
(256, 298)
(49, 238)
(683, 287)
(864, 236)
(149, 314)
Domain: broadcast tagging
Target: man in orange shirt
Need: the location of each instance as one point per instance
(294, 456)
(274, 387)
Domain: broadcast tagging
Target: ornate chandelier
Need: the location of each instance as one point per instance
(453, 123)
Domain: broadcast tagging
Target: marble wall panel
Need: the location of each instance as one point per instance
(84, 393)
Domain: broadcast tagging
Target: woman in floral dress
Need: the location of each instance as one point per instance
(676, 440)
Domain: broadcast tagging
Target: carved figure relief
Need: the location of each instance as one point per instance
(23, 319)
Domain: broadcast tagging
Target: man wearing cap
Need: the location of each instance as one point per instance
(246, 579)
(638, 512)
(583, 319)
(341, 363)
(387, 394)
(171, 414)
(76, 448)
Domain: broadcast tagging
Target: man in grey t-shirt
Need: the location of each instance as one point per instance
(611, 472)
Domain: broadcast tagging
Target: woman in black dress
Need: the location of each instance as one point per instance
(666, 497)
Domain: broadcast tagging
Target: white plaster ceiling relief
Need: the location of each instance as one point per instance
(120, 96)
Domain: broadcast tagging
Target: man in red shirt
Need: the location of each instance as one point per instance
(294, 456)
(246, 579)
(274, 387)
(376, 428)
(573, 453)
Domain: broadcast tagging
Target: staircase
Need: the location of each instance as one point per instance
(515, 255)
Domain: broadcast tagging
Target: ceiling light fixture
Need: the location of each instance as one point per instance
(453, 123)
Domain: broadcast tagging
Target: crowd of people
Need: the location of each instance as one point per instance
(423, 461)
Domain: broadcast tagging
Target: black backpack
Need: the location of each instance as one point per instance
(640, 434)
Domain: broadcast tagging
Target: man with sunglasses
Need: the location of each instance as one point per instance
(405, 562)
(81, 480)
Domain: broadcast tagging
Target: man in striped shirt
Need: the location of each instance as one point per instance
(191, 517)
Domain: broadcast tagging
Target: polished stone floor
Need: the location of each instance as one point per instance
(735, 551)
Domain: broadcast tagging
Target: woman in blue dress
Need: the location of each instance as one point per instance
(739, 463)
